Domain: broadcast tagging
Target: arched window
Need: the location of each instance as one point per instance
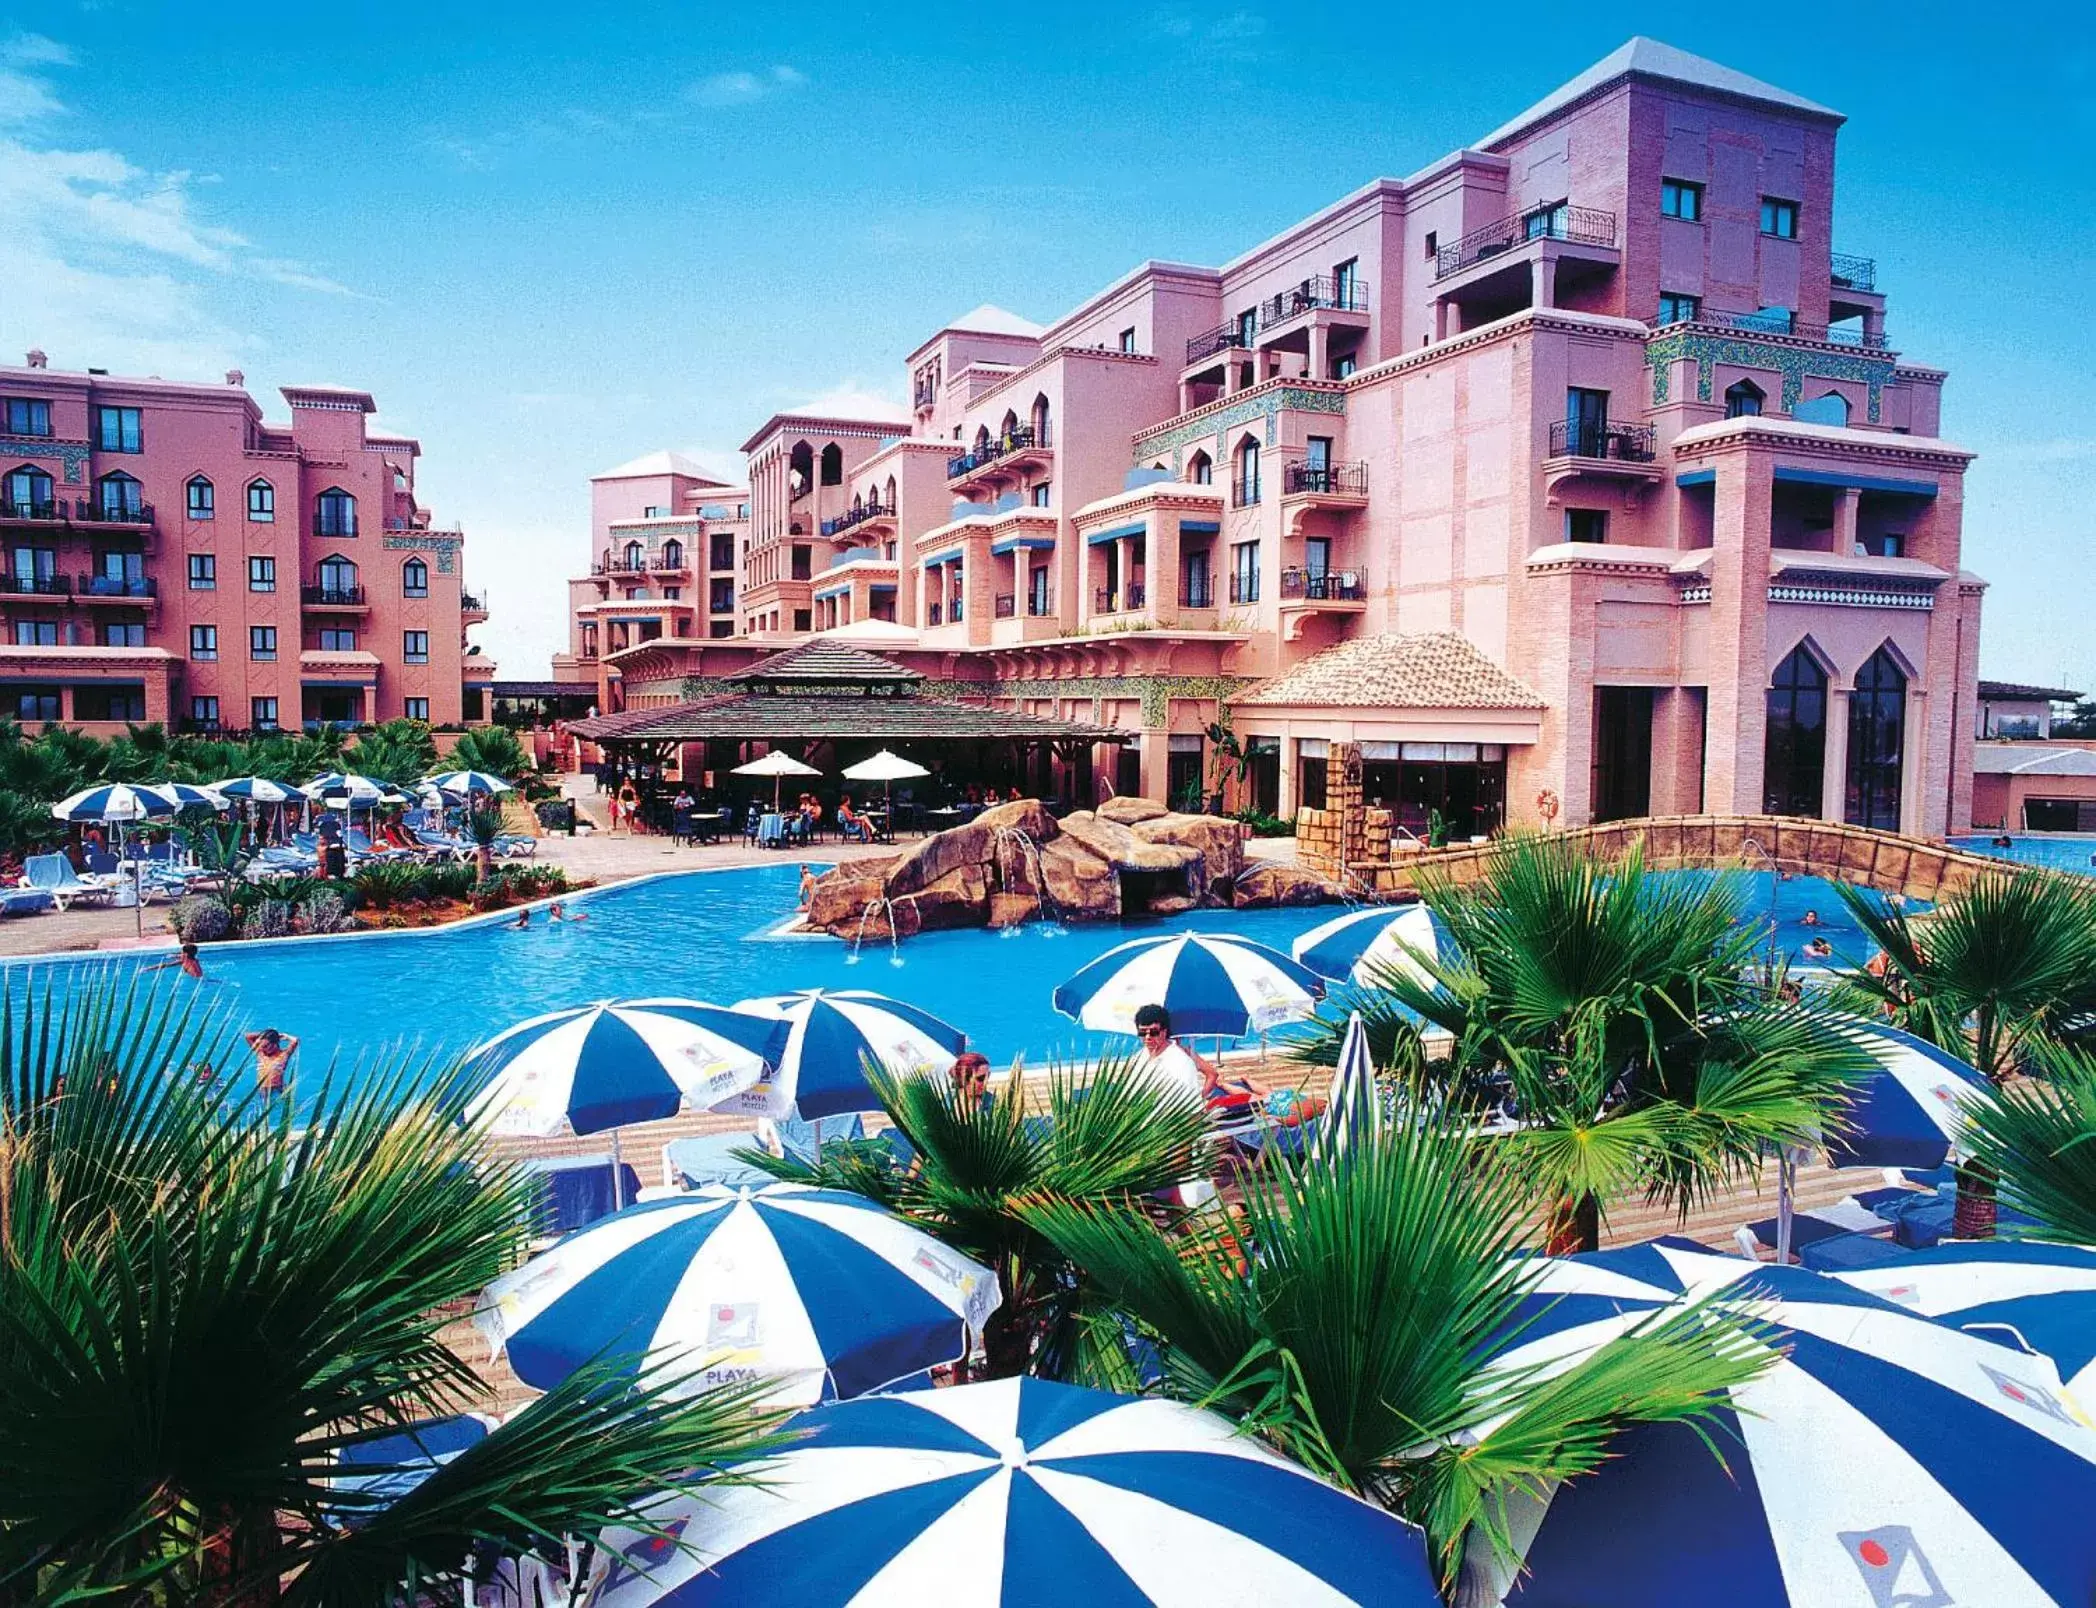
(1877, 743)
(338, 579)
(414, 578)
(261, 501)
(1200, 469)
(1009, 430)
(1248, 473)
(673, 554)
(1743, 401)
(1830, 407)
(889, 495)
(833, 465)
(334, 513)
(118, 497)
(859, 504)
(1794, 753)
(982, 441)
(800, 468)
(1040, 421)
(636, 556)
(202, 498)
(26, 493)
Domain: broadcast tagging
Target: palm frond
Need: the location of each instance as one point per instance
(2039, 1137)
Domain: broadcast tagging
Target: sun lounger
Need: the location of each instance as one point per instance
(575, 1191)
(709, 1159)
(25, 901)
(1850, 1253)
(54, 874)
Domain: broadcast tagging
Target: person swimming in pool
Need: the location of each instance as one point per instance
(557, 911)
(184, 960)
(273, 1052)
(1809, 919)
(523, 919)
(1819, 949)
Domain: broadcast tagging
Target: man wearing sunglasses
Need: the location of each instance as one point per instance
(1164, 1057)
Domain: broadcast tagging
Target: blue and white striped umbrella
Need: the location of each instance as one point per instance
(1356, 946)
(112, 802)
(592, 1067)
(187, 795)
(346, 785)
(1018, 1493)
(1911, 1111)
(382, 1470)
(2034, 1296)
(821, 1069)
(821, 1291)
(1882, 1459)
(1356, 1107)
(469, 782)
(257, 790)
(1211, 982)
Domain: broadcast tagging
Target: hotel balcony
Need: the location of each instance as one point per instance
(1000, 460)
(33, 511)
(866, 520)
(1519, 262)
(1852, 292)
(1306, 594)
(1601, 450)
(1124, 599)
(1022, 617)
(473, 607)
(1318, 318)
(1853, 273)
(334, 599)
(133, 591)
(1870, 334)
(1307, 488)
(1580, 226)
(36, 585)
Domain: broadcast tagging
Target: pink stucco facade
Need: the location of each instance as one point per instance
(1594, 394)
(172, 557)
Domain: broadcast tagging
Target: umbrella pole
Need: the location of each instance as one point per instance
(1786, 1179)
(616, 1203)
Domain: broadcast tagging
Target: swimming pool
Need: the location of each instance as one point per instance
(709, 935)
(2076, 854)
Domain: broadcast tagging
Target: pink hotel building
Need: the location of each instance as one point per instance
(171, 557)
(1576, 475)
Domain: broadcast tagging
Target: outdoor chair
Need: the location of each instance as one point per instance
(25, 901)
(54, 874)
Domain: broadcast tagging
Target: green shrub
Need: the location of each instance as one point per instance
(1265, 825)
(325, 911)
(201, 920)
(272, 918)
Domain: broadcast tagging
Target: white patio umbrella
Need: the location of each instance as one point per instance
(887, 768)
(776, 765)
(187, 795)
(117, 804)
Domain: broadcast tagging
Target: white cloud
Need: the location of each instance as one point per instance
(851, 400)
(741, 88)
(1236, 36)
(25, 96)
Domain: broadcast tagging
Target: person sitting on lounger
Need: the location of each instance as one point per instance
(1164, 1058)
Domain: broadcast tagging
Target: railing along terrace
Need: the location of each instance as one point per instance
(1326, 586)
(1329, 479)
(1785, 323)
(858, 516)
(1243, 493)
(1006, 605)
(990, 451)
(618, 566)
(925, 395)
(1852, 273)
(344, 595)
(1220, 339)
(1198, 592)
(1588, 438)
(1583, 226)
(474, 602)
(1244, 588)
(138, 586)
(37, 585)
(1321, 290)
(33, 508)
(96, 513)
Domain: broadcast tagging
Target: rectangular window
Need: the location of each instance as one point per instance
(1128, 341)
(802, 619)
(1779, 218)
(1040, 495)
(1586, 524)
(1343, 366)
(123, 633)
(1346, 283)
(203, 572)
(261, 502)
(1680, 199)
(652, 512)
(262, 713)
(1675, 308)
(36, 703)
(415, 708)
(338, 639)
(1244, 572)
(803, 562)
(261, 574)
(720, 598)
(203, 641)
(203, 711)
(36, 633)
(118, 430)
(414, 647)
(1247, 326)
(109, 703)
(1433, 244)
(261, 642)
(721, 552)
(203, 499)
(28, 417)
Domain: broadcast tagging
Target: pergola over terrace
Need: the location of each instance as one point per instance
(830, 705)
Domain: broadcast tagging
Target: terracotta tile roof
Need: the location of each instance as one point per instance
(1426, 670)
(825, 659)
(815, 717)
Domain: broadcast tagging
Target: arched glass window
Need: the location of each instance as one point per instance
(1743, 401)
(1040, 421)
(636, 556)
(1794, 752)
(202, 498)
(1877, 743)
(800, 468)
(26, 493)
(982, 440)
(1009, 430)
(261, 501)
(337, 578)
(1247, 474)
(833, 465)
(1200, 469)
(1830, 407)
(414, 578)
(334, 513)
(673, 554)
(889, 494)
(118, 496)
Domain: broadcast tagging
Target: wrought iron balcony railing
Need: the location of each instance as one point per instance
(1007, 605)
(113, 513)
(1321, 586)
(139, 587)
(1346, 296)
(1585, 226)
(1039, 605)
(1587, 438)
(1220, 339)
(1198, 592)
(1019, 440)
(1244, 588)
(859, 516)
(1244, 493)
(33, 508)
(1781, 322)
(339, 596)
(37, 585)
(1852, 273)
(1326, 479)
(473, 602)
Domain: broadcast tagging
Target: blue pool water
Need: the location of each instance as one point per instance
(705, 935)
(2077, 854)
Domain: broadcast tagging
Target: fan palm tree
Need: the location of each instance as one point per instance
(205, 1301)
(2041, 1135)
(1617, 1016)
(400, 751)
(1115, 1136)
(494, 749)
(1360, 1338)
(1989, 975)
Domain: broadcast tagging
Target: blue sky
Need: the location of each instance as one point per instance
(550, 240)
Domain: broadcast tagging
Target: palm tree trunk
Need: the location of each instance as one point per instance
(237, 1571)
(1973, 1216)
(1573, 1225)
